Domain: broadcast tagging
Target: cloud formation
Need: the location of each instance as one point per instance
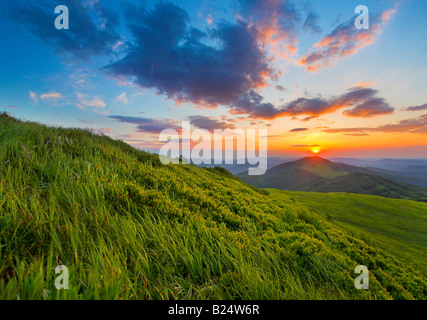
(148, 125)
(122, 98)
(416, 108)
(277, 23)
(92, 26)
(171, 57)
(414, 125)
(305, 145)
(209, 123)
(344, 41)
(360, 102)
(48, 96)
(311, 22)
(298, 130)
(95, 103)
(33, 96)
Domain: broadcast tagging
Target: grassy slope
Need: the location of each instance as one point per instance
(397, 225)
(321, 178)
(128, 227)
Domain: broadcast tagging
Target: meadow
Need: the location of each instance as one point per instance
(129, 227)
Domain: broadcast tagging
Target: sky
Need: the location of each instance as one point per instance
(129, 69)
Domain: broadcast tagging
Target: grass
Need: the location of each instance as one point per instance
(128, 227)
(399, 226)
(319, 175)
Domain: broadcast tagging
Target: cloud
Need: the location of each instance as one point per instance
(279, 87)
(92, 27)
(344, 41)
(252, 104)
(414, 125)
(11, 107)
(47, 96)
(311, 23)
(173, 58)
(364, 103)
(33, 96)
(95, 103)
(209, 123)
(298, 130)
(122, 98)
(416, 108)
(364, 84)
(305, 145)
(277, 23)
(149, 125)
(309, 118)
(370, 108)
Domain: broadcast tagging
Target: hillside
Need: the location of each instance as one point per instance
(316, 174)
(396, 225)
(128, 227)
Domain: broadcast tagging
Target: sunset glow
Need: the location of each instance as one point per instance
(315, 77)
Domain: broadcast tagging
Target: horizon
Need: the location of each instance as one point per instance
(308, 75)
(306, 154)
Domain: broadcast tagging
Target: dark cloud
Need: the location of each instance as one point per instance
(416, 108)
(311, 23)
(305, 145)
(309, 118)
(149, 125)
(281, 88)
(363, 102)
(370, 108)
(415, 125)
(276, 20)
(298, 130)
(209, 123)
(169, 56)
(252, 104)
(91, 32)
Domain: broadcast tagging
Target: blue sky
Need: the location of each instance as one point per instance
(129, 68)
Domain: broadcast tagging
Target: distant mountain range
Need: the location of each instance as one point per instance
(320, 175)
(388, 164)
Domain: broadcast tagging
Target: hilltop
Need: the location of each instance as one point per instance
(128, 227)
(316, 174)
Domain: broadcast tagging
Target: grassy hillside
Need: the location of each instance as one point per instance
(128, 227)
(399, 226)
(320, 175)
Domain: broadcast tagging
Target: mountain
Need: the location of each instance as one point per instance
(128, 227)
(321, 175)
(239, 168)
(387, 164)
(415, 175)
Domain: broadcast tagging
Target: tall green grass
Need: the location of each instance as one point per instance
(396, 225)
(128, 227)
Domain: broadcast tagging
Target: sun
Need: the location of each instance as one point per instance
(315, 151)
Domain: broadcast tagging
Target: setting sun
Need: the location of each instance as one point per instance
(316, 151)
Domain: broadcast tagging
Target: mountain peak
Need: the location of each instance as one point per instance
(314, 159)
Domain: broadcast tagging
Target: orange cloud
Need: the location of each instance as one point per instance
(343, 42)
